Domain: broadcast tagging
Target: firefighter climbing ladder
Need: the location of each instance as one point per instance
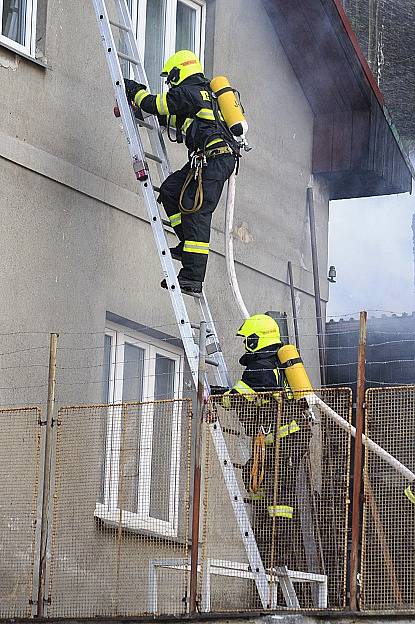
(138, 154)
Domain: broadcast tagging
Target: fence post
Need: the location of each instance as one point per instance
(357, 472)
(46, 478)
(197, 432)
(316, 279)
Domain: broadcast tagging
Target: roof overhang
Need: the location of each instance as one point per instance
(356, 148)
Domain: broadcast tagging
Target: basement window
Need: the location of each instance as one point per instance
(165, 26)
(18, 25)
(143, 439)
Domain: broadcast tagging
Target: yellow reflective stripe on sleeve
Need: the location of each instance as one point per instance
(206, 113)
(175, 219)
(161, 104)
(291, 427)
(196, 247)
(187, 123)
(280, 511)
(140, 95)
(242, 388)
(409, 494)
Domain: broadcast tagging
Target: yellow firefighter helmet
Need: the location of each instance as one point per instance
(180, 66)
(259, 331)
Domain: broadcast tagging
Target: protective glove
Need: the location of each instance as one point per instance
(132, 88)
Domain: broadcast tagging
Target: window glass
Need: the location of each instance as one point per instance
(148, 429)
(14, 20)
(106, 371)
(185, 27)
(155, 41)
(133, 373)
(121, 44)
(162, 439)
(132, 390)
(164, 382)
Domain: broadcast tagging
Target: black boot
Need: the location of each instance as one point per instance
(177, 252)
(189, 287)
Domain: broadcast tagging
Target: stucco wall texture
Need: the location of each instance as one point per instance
(76, 242)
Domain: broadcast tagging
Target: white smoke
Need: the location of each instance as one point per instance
(371, 244)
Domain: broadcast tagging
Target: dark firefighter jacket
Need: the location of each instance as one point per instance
(262, 373)
(261, 370)
(188, 108)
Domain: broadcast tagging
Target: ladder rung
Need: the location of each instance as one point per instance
(212, 348)
(197, 326)
(130, 59)
(211, 362)
(145, 124)
(120, 26)
(153, 157)
(192, 294)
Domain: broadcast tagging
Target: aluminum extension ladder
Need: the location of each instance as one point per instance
(124, 28)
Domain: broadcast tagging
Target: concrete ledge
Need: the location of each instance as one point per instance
(82, 181)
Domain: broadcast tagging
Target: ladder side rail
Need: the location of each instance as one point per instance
(155, 135)
(244, 524)
(137, 155)
(221, 372)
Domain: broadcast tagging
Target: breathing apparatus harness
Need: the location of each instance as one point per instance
(198, 158)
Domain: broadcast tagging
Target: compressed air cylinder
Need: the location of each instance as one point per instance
(229, 106)
(294, 371)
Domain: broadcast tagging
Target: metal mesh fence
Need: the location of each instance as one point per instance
(19, 480)
(293, 477)
(120, 531)
(388, 557)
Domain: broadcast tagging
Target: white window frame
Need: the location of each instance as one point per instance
(139, 11)
(30, 33)
(109, 510)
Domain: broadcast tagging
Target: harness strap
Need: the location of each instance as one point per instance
(217, 151)
(198, 200)
(291, 362)
(198, 176)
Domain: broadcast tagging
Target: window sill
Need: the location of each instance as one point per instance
(40, 62)
(135, 526)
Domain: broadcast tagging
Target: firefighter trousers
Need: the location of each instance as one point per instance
(193, 229)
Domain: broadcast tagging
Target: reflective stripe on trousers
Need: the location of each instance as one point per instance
(196, 247)
(280, 511)
(175, 219)
(287, 429)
